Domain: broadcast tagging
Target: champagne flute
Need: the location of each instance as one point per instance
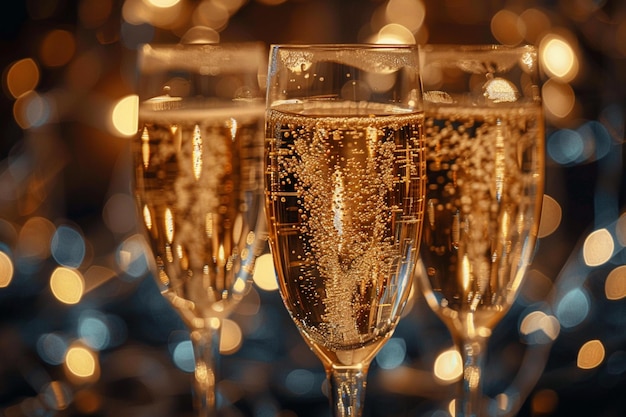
(344, 198)
(485, 165)
(198, 160)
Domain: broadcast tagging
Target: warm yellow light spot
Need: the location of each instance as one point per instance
(163, 3)
(231, 337)
(239, 286)
(598, 247)
(57, 48)
(507, 27)
(448, 366)
(408, 13)
(22, 76)
(81, 362)
(124, 117)
(452, 407)
(551, 215)
(264, 273)
(558, 58)
(6, 270)
(169, 225)
(590, 355)
(540, 321)
(394, 33)
(67, 285)
(536, 24)
(615, 284)
(558, 98)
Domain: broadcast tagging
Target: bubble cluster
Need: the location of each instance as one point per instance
(346, 199)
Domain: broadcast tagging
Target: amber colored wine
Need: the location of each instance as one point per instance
(345, 200)
(199, 186)
(484, 193)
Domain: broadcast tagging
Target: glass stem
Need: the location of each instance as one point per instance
(347, 390)
(205, 342)
(474, 353)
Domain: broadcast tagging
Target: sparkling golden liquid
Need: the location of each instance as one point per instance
(199, 187)
(346, 204)
(484, 193)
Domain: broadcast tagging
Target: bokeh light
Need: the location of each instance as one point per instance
(448, 366)
(558, 58)
(558, 98)
(22, 77)
(264, 273)
(6, 270)
(507, 27)
(598, 247)
(67, 285)
(615, 284)
(57, 48)
(590, 355)
(68, 246)
(551, 216)
(81, 362)
(124, 116)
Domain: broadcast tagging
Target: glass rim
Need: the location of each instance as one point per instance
(482, 47)
(220, 45)
(344, 46)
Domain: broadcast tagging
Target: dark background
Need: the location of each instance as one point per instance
(65, 170)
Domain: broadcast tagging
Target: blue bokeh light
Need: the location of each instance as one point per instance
(573, 308)
(392, 354)
(68, 247)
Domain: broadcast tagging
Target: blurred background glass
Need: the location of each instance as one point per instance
(78, 336)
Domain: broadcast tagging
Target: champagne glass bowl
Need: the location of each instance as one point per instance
(485, 166)
(199, 184)
(344, 198)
